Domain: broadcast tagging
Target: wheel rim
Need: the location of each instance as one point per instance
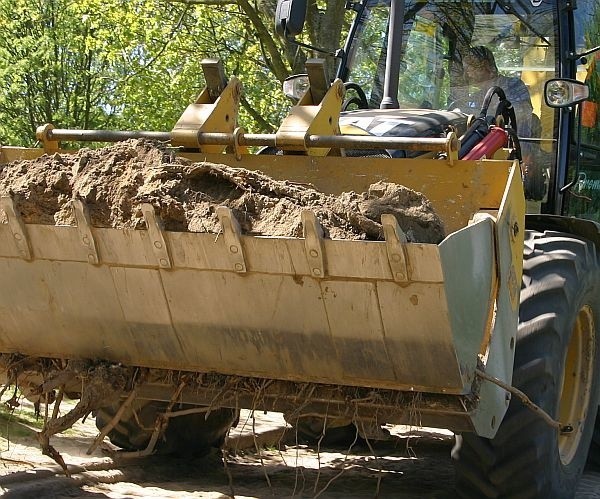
(577, 383)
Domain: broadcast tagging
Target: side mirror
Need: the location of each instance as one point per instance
(289, 17)
(563, 92)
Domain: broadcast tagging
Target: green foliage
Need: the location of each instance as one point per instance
(17, 422)
(112, 64)
(591, 28)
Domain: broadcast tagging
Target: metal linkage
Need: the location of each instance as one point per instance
(63, 134)
(431, 144)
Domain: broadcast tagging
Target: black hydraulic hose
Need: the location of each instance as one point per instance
(481, 125)
(477, 131)
(512, 134)
(488, 99)
(507, 111)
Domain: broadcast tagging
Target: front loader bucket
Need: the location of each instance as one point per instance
(379, 314)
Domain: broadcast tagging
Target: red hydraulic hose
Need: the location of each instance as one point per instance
(495, 139)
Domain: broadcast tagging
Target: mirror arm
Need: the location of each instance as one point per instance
(310, 47)
(574, 56)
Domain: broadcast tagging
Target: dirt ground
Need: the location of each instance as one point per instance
(261, 460)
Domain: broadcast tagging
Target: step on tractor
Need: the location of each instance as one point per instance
(490, 333)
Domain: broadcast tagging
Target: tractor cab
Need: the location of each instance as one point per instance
(416, 57)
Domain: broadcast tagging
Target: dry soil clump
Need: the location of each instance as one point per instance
(113, 181)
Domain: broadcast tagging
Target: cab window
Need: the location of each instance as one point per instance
(583, 199)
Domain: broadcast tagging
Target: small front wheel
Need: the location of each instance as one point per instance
(187, 435)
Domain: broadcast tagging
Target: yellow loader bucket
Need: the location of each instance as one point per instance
(380, 314)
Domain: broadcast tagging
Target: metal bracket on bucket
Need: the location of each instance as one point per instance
(313, 243)
(157, 238)
(317, 112)
(395, 239)
(233, 240)
(17, 227)
(42, 133)
(215, 110)
(85, 232)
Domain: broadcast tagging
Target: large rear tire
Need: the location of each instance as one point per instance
(189, 435)
(556, 365)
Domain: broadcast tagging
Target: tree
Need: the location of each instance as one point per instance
(136, 65)
(44, 45)
(66, 63)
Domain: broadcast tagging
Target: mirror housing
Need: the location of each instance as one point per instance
(564, 92)
(289, 17)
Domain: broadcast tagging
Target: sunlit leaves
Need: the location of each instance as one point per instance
(134, 64)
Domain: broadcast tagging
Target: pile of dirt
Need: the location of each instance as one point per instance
(115, 180)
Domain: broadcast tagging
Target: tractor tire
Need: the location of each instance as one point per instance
(190, 435)
(333, 432)
(557, 366)
(310, 430)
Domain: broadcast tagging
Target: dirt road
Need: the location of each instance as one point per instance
(414, 464)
